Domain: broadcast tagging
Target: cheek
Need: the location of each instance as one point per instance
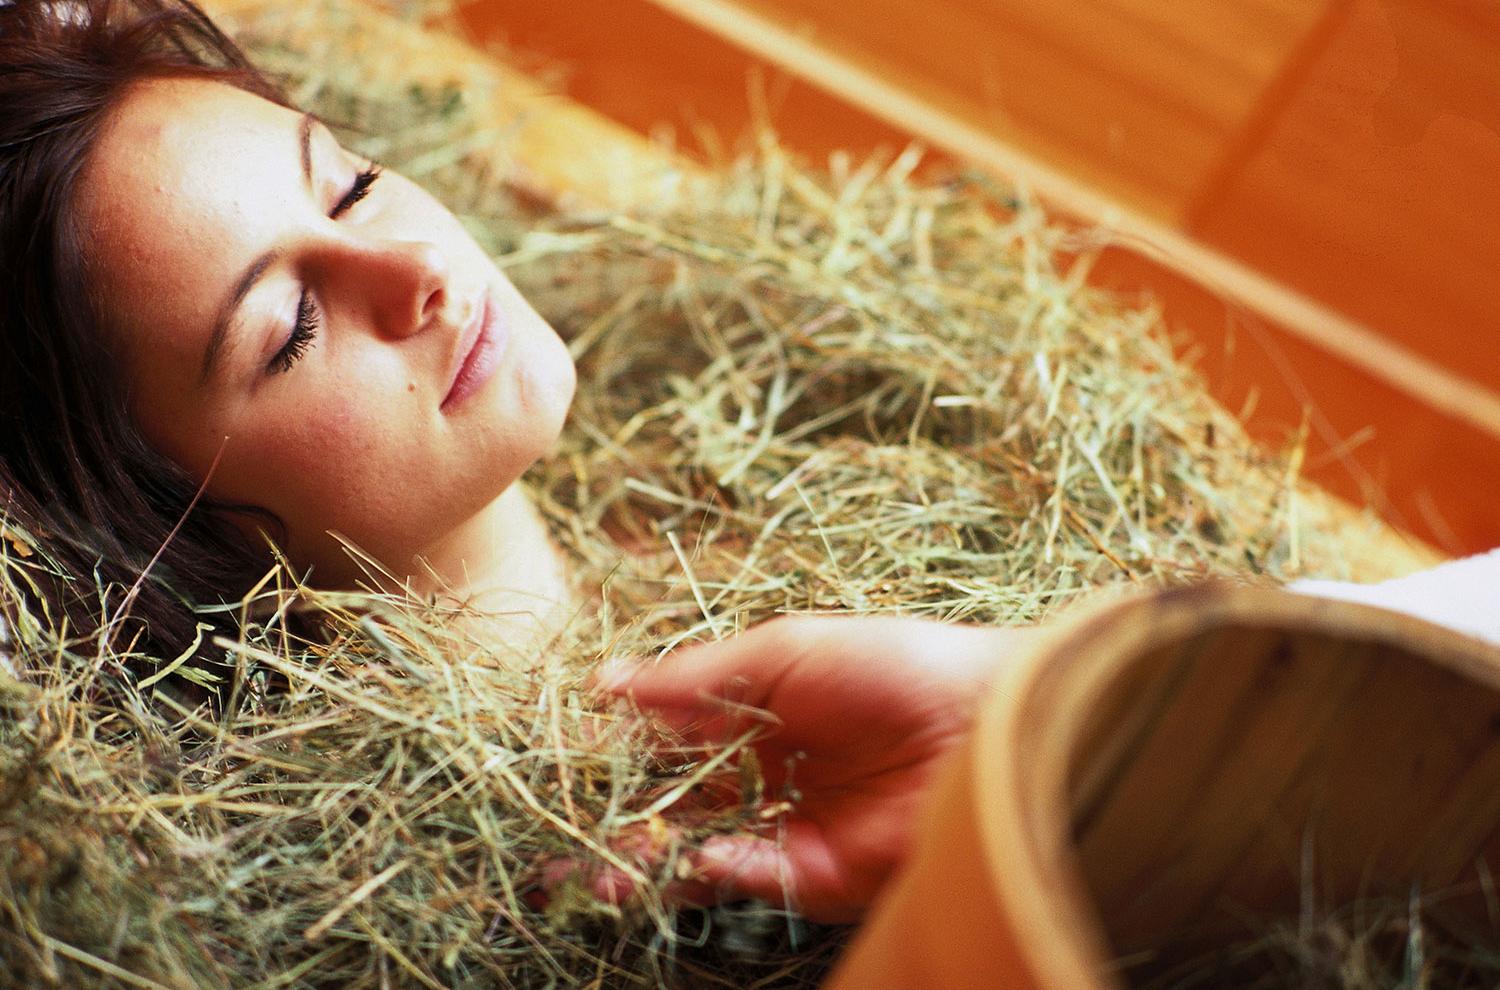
(310, 449)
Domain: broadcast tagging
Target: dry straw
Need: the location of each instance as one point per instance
(803, 392)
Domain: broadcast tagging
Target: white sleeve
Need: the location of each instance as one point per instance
(1462, 594)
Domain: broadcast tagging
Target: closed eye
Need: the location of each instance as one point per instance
(361, 188)
(304, 332)
(305, 327)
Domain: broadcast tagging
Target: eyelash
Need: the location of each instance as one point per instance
(362, 183)
(305, 328)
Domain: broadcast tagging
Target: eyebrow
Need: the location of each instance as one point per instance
(219, 336)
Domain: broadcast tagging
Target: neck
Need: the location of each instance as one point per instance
(504, 566)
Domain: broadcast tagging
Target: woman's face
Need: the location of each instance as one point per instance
(362, 364)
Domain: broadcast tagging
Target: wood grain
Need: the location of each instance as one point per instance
(1392, 265)
(1135, 103)
(1374, 188)
(1178, 772)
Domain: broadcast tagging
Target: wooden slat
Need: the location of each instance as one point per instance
(642, 66)
(1373, 440)
(1100, 90)
(1375, 190)
(1351, 376)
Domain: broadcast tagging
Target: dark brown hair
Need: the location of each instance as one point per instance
(74, 469)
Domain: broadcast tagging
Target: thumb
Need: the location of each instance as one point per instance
(711, 692)
(738, 671)
(657, 686)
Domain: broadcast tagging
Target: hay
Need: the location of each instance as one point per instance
(804, 392)
(1368, 945)
(368, 810)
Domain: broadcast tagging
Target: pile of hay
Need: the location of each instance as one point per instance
(806, 391)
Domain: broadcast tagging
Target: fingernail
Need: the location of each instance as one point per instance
(614, 674)
(721, 850)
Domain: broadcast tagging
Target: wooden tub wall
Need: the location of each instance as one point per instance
(1182, 771)
(1264, 753)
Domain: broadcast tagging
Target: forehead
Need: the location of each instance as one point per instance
(186, 184)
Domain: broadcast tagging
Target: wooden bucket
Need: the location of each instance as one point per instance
(1166, 774)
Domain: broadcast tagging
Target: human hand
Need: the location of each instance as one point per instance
(858, 711)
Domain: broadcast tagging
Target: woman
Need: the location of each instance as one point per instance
(220, 328)
(207, 298)
(217, 326)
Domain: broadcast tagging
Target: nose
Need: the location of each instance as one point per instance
(403, 285)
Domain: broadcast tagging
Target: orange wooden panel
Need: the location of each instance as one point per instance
(641, 66)
(1137, 103)
(1375, 189)
(1371, 443)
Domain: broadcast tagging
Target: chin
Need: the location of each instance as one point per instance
(548, 394)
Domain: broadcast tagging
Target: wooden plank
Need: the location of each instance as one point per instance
(1373, 441)
(1009, 83)
(1375, 190)
(1250, 37)
(1437, 504)
(1423, 486)
(1100, 90)
(660, 75)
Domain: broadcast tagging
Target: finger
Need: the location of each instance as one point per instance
(735, 669)
(743, 866)
(748, 668)
(711, 725)
(613, 887)
(797, 869)
(712, 691)
(688, 722)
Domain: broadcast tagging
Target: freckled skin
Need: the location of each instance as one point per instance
(191, 182)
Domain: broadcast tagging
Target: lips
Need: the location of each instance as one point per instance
(483, 349)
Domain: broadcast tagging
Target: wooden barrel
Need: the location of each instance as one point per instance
(1167, 774)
